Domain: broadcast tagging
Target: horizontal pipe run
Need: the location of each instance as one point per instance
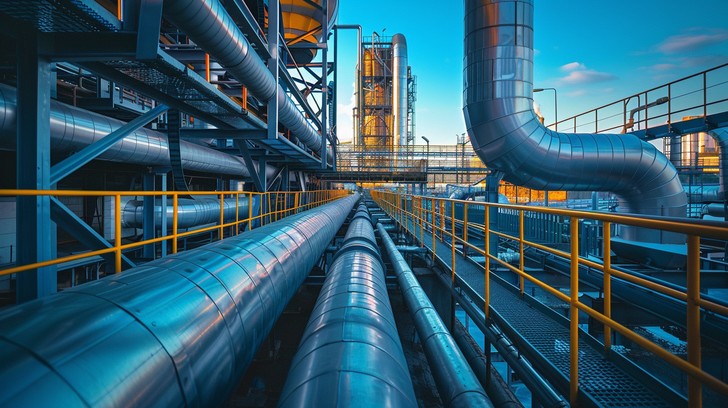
(350, 353)
(456, 382)
(190, 212)
(177, 331)
(72, 129)
(209, 25)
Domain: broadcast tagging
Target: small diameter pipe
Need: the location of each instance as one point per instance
(456, 382)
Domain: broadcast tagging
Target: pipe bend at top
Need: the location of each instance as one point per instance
(208, 24)
(507, 135)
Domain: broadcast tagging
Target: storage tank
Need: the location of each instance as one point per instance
(302, 24)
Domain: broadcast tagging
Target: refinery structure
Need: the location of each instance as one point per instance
(180, 224)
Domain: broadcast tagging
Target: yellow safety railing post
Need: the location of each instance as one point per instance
(422, 223)
(250, 210)
(486, 229)
(521, 263)
(695, 388)
(607, 235)
(432, 219)
(221, 231)
(175, 220)
(452, 241)
(117, 233)
(442, 220)
(237, 208)
(574, 313)
(465, 230)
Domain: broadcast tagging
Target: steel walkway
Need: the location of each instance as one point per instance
(601, 381)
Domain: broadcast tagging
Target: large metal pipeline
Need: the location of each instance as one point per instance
(177, 331)
(399, 88)
(457, 384)
(190, 212)
(350, 353)
(720, 136)
(508, 136)
(73, 128)
(209, 25)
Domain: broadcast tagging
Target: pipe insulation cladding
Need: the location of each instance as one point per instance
(209, 25)
(456, 382)
(73, 128)
(508, 136)
(350, 353)
(179, 331)
(190, 212)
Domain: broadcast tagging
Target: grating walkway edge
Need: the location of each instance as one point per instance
(601, 380)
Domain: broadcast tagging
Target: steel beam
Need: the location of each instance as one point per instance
(72, 224)
(90, 152)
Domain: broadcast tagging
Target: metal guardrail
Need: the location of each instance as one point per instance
(698, 95)
(278, 206)
(431, 217)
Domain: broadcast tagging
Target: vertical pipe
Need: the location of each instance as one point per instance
(606, 233)
(695, 394)
(574, 314)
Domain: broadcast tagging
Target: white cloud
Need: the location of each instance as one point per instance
(691, 42)
(586, 76)
(573, 66)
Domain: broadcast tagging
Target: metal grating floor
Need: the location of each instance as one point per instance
(599, 378)
(53, 16)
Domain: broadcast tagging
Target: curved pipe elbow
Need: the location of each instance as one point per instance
(507, 135)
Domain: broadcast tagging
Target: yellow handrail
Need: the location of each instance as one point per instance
(290, 202)
(432, 214)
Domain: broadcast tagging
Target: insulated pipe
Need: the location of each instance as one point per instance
(73, 128)
(457, 384)
(190, 212)
(488, 376)
(179, 331)
(720, 136)
(399, 85)
(350, 353)
(209, 25)
(508, 136)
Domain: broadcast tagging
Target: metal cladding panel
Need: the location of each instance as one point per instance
(175, 311)
(38, 380)
(48, 330)
(350, 353)
(208, 24)
(507, 135)
(177, 331)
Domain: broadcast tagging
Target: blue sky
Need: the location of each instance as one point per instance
(593, 52)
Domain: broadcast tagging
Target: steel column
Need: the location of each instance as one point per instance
(36, 235)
